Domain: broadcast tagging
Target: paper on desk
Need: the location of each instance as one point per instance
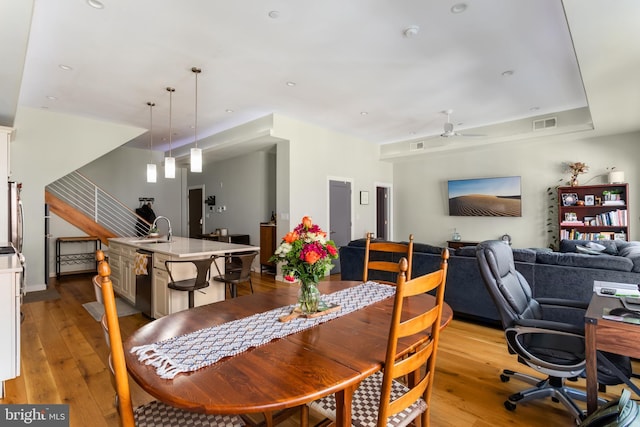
(625, 319)
(622, 289)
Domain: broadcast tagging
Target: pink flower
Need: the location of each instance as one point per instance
(332, 250)
(289, 278)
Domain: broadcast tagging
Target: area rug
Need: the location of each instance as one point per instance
(46, 295)
(96, 310)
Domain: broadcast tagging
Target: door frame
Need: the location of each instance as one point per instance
(389, 206)
(343, 179)
(195, 187)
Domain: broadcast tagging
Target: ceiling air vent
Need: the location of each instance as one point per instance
(548, 123)
(414, 146)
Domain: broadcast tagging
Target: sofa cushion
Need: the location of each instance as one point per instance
(466, 251)
(524, 255)
(630, 250)
(567, 246)
(606, 262)
(427, 249)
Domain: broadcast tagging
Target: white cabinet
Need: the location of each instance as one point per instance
(5, 172)
(122, 261)
(10, 295)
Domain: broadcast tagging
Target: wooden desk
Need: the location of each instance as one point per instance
(332, 357)
(606, 335)
(457, 244)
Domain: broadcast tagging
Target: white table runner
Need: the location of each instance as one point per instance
(190, 352)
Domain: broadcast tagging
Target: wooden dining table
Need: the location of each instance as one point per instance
(330, 358)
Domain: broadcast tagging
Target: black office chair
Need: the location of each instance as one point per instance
(552, 348)
(203, 268)
(237, 270)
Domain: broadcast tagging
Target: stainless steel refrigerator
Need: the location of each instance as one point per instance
(16, 216)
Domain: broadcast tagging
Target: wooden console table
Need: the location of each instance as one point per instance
(75, 258)
(457, 244)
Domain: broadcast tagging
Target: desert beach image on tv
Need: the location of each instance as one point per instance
(485, 197)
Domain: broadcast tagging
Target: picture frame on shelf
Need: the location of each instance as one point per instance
(589, 200)
(570, 217)
(619, 236)
(569, 199)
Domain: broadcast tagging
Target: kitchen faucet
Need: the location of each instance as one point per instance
(168, 223)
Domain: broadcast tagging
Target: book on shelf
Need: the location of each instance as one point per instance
(613, 203)
(572, 223)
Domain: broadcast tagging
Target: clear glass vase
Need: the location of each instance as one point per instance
(309, 297)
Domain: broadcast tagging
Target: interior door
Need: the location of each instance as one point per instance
(382, 213)
(339, 216)
(195, 212)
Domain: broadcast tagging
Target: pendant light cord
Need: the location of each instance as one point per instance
(170, 90)
(151, 105)
(196, 71)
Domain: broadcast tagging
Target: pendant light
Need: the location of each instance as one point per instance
(151, 167)
(170, 162)
(196, 153)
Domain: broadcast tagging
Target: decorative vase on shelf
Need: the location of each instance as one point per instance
(574, 182)
(309, 297)
(456, 236)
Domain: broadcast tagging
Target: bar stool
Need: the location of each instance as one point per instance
(203, 268)
(240, 274)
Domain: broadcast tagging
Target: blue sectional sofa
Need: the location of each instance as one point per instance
(563, 274)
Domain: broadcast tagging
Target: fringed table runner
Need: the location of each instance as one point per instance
(195, 350)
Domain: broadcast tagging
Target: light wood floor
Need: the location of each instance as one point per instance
(64, 360)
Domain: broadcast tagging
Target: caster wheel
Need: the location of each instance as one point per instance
(510, 406)
(504, 378)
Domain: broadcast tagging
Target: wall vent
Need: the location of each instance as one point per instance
(414, 146)
(548, 123)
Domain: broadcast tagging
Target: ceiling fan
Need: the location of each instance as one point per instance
(448, 128)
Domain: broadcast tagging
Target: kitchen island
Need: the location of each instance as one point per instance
(123, 252)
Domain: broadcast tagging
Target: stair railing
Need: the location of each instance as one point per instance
(82, 194)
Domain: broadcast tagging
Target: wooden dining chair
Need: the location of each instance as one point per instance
(154, 413)
(381, 259)
(383, 399)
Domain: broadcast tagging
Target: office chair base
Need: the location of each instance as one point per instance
(552, 387)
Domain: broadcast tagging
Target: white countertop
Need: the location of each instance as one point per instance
(10, 264)
(183, 247)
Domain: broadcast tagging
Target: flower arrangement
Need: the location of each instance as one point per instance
(306, 253)
(576, 169)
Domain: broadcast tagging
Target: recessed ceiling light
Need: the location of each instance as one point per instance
(65, 67)
(96, 4)
(364, 113)
(534, 108)
(458, 8)
(274, 14)
(52, 98)
(228, 110)
(411, 31)
(291, 84)
(507, 73)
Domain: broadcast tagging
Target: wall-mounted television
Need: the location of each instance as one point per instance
(485, 197)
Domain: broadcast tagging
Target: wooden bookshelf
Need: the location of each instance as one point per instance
(594, 212)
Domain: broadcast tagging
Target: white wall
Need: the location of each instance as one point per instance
(421, 204)
(246, 186)
(315, 155)
(48, 146)
(123, 174)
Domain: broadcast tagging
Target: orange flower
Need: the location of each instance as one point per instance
(311, 257)
(291, 237)
(306, 222)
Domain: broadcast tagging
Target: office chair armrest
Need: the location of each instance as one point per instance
(561, 302)
(525, 327)
(538, 326)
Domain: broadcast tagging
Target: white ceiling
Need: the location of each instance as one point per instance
(345, 58)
